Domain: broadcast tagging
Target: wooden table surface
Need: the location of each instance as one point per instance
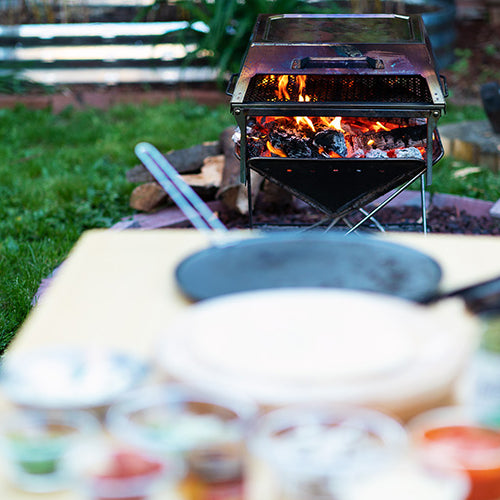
(117, 289)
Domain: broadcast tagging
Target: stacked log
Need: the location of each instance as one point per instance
(211, 169)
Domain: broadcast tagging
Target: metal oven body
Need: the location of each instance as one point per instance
(357, 67)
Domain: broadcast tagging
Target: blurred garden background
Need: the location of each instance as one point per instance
(67, 137)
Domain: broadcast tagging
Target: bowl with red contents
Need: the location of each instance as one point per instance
(114, 472)
(451, 437)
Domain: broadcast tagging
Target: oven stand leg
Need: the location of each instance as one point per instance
(319, 223)
(384, 203)
(348, 223)
(332, 224)
(249, 189)
(422, 202)
(375, 221)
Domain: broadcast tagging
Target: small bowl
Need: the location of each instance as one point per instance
(453, 438)
(174, 419)
(109, 470)
(304, 448)
(36, 446)
(64, 377)
(200, 436)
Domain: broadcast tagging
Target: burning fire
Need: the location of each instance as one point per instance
(331, 137)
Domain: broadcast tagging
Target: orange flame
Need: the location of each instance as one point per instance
(306, 121)
(336, 124)
(284, 80)
(282, 90)
(380, 126)
(302, 83)
(274, 150)
(331, 154)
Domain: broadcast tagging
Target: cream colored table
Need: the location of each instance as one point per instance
(117, 289)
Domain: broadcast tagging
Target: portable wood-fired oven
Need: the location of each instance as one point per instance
(339, 109)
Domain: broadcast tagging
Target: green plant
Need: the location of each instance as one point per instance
(461, 178)
(455, 113)
(229, 26)
(491, 50)
(462, 62)
(14, 83)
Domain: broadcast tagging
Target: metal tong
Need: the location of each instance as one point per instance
(193, 207)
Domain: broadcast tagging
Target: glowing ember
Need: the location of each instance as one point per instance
(336, 137)
(331, 136)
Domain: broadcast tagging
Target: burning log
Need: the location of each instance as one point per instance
(398, 138)
(376, 153)
(410, 152)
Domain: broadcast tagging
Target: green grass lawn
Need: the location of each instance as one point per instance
(483, 184)
(62, 174)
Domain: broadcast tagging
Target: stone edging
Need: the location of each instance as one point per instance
(474, 207)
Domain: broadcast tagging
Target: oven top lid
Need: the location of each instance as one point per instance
(370, 47)
(327, 29)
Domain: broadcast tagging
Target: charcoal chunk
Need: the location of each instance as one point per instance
(330, 141)
(411, 153)
(291, 145)
(298, 148)
(376, 153)
(254, 148)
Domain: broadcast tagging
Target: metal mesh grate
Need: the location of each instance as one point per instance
(343, 88)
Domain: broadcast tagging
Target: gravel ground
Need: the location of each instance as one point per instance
(406, 218)
(445, 220)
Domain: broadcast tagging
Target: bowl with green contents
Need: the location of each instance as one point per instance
(35, 445)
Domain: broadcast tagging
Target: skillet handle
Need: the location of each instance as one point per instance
(479, 298)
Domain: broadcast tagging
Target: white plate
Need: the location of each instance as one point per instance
(313, 345)
(69, 377)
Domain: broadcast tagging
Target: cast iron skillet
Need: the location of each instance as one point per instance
(330, 261)
(284, 261)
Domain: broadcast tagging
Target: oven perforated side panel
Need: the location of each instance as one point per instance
(343, 88)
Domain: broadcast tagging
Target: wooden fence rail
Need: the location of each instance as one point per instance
(102, 52)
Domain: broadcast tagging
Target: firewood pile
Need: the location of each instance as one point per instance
(212, 170)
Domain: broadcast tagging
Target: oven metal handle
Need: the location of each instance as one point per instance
(231, 85)
(337, 62)
(444, 85)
